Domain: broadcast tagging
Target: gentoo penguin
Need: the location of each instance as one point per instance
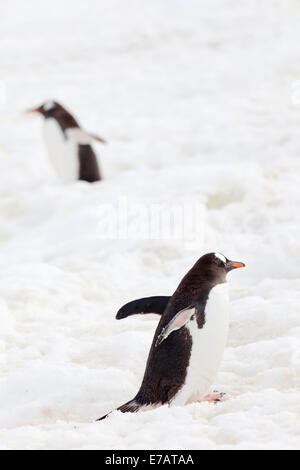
(68, 145)
(189, 341)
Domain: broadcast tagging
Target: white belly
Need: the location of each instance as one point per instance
(207, 348)
(63, 153)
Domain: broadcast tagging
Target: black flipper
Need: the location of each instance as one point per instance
(155, 305)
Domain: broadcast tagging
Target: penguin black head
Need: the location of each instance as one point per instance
(52, 109)
(215, 266)
(49, 109)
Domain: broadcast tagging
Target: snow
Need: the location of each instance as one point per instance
(199, 102)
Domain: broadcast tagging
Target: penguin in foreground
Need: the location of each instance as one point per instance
(68, 145)
(189, 341)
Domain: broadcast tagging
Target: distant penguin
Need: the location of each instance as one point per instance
(68, 145)
(189, 341)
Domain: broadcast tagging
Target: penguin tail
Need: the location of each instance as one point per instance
(103, 417)
(131, 406)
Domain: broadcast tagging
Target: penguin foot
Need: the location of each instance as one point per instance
(215, 397)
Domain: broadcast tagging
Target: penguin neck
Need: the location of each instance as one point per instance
(203, 279)
(196, 285)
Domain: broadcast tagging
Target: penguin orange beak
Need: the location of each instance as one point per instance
(34, 110)
(234, 265)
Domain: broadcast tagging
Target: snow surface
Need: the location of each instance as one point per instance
(199, 101)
